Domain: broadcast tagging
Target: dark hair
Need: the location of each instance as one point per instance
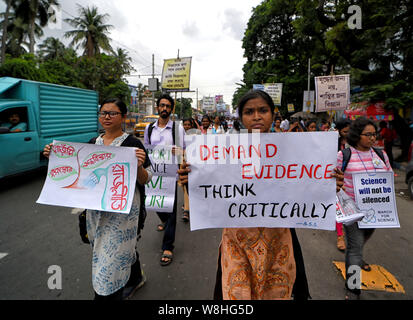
(383, 124)
(119, 103)
(254, 94)
(207, 117)
(341, 124)
(307, 124)
(356, 128)
(167, 97)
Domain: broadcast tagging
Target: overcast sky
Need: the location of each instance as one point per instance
(209, 31)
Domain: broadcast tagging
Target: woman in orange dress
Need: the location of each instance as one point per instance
(259, 263)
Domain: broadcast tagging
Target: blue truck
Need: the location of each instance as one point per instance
(45, 112)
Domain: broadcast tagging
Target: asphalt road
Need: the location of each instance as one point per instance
(34, 237)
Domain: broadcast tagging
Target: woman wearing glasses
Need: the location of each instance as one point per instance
(364, 159)
(116, 271)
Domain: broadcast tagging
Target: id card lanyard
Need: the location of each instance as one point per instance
(375, 164)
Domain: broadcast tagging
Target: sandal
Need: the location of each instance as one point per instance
(366, 267)
(166, 256)
(350, 295)
(160, 227)
(185, 216)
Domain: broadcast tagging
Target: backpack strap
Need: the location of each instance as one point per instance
(379, 152)
(93, 140)
(173, 133)
(346, 158)
(150, 129)
(347, 155)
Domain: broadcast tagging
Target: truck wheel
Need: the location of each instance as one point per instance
(411, 187)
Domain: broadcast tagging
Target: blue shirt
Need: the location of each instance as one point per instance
(22, 126)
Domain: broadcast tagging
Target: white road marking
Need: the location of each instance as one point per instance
(2, 255)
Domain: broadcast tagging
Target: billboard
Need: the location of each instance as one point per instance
(176, 74)
(273, 89)
(332, 92)
(208, 103)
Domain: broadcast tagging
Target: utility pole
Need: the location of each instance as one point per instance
(308, 102)
(197, 107)
(308, 80)
(153, 76)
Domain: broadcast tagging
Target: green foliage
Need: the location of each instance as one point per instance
(281, 35)
(24, 67)
(91, 32)
(54, 63)
(183, 107)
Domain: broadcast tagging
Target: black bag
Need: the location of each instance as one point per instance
(82, 227)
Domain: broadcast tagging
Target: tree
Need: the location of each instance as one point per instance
(183, 107)
(35, 10)
(123, 61)
(273, 54)
(379, 54)
(5, 26)
(51, 48)
(91, 32)
(24, 67)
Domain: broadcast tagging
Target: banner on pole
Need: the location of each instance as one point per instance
(332, 92)
(308, 101)
(208, 104)
(274, 90)
(176, 74)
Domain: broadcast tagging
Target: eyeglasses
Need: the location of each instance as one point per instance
(369, 135)
(111, 114)
(165, 105)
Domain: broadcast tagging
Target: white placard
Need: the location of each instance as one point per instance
(90, 176)
(332, 92)
(160, 194)
(262, 180)
(160, 191)
(208, 103)
(375, 195)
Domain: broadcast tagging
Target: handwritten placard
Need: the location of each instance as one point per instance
(90, 176)
(332, 92)
(160, 190)
(259, 180)
(374, 194)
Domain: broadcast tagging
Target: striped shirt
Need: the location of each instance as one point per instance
(359, 162)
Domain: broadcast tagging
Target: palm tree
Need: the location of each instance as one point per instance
(35, 10)
(51, 48)
(123, 61)
(5, 25)
(91, 31)
(17, 34)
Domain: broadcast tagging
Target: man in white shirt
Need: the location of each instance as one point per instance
(164, 132)
(285, 125)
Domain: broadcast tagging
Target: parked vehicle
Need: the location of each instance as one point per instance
(409, 171)
(141, 125)
(49, 112)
